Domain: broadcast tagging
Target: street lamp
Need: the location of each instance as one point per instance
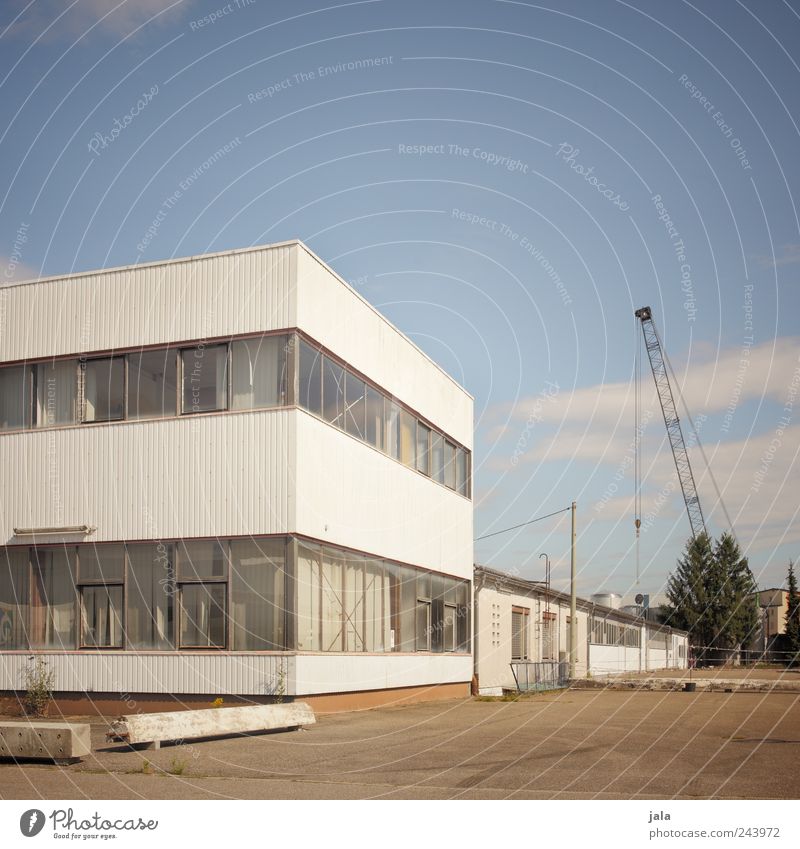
(546, 580)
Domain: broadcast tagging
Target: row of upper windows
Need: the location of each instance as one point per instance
(247, 373)
(341, 398)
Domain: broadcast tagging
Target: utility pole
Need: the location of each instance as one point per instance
(573, 603)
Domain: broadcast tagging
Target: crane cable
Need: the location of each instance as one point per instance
(637, 439)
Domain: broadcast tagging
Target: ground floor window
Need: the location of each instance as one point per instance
(520, 617)
(253, 594)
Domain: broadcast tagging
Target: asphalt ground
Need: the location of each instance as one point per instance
(569, 744)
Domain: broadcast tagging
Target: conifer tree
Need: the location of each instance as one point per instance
(791, 638)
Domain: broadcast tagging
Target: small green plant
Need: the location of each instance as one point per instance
(218, 702)
(280, 687)
(147, 767)
(177, 766)
(39, 681)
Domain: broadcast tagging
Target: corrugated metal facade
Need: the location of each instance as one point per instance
(197, 476)
(217, 295)
(123, 673)
(353, 495)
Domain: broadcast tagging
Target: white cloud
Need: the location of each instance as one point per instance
(112, 17)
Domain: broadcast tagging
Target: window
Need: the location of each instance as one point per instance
(424, 612)
(462, 625)
(449, 465)
(15, 400)
(549, 637)
(308, 587)
(393, 430)
(407, 438)
(462, 472)
(355, 406)
(310, 383)
(376, 607)
(332, 392)
(152, 384)
(202, 588)
(423, 453)
(203, 620)
(205, 378)
(403, 601)
(375, 418)
(258, 372)
(437, 457)
(56, 392)
(258, 571)
(104, 389)
(519, 633)
(101, 572)
(150, 614)
(14, 572)
(101, 611)
(53, 597)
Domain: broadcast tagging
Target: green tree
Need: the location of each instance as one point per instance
(791, 639)
(711, 596)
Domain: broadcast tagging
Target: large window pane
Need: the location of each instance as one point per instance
(308, 584)
(449, 464)
(53, 598)
(150, 597)
(333, 392)
(376, 607)
(152, 384)
(56, 392)
(201, 559)
(101, 609)
(404, 605)
(332, 613)
(258, 573)
(205, 378)
(353, 604)
(203, 621)
(423, 626)
(437, 457)
(407, 438)
(13, 598)
(462, 624)
(258, 372)
(392, 430)
(101, 563)
(423, 443)
(104, 389)
(356, 406)
(462, 471)
(375, 418)
(310, 382)
(14, 397)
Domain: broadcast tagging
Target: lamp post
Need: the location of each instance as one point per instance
(546, 580)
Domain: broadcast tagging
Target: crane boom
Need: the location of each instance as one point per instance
(671, 420)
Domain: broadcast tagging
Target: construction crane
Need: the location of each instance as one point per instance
(658, 364)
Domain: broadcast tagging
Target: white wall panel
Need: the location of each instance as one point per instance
(214, 295)
(610, 660)
(194, 476)
(352, 495)
(341, 320)
(123, 673)
(335, 673)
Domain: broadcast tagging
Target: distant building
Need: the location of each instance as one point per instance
(773, 606)
(519, 621)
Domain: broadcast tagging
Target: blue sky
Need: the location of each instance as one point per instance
(506, 181)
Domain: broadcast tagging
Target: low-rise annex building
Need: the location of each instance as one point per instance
(229, 476)
(519, 621)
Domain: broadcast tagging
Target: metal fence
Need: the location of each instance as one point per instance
(545, 675)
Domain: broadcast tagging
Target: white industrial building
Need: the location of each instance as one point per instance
(520, 623)
(229, 476)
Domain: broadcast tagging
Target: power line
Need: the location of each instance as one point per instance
(522, 525)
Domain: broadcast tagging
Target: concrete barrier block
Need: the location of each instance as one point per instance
(154, 728)
(62, 742)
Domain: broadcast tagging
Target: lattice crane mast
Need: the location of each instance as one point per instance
(658, 365)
